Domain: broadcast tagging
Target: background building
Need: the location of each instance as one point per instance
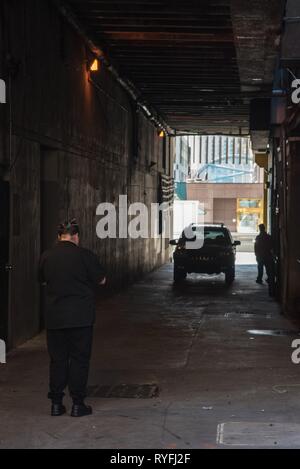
(239, 206)
(182, 164)
(217, 158)
(221, 173)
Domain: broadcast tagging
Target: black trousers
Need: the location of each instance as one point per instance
(268, 263)
(70, 353)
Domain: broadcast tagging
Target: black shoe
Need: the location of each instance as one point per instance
(57, 410)
(80, 410)
(259, 281)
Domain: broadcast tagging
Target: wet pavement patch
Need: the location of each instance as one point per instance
(273, 332)
(128, 391)
(286, 388)
(258, 434)
(247, 315)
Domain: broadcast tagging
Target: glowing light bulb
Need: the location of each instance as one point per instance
(95, 66)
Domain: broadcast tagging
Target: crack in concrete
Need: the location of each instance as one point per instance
(165, 429)
(195, 336)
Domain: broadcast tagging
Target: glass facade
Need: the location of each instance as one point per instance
(223, 159)
(242, 173)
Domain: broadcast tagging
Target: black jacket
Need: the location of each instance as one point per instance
(263, 246)
(71, 275)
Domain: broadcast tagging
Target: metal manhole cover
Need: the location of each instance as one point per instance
(128, 391)
(258, 434)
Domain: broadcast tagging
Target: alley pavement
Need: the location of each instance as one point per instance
(200, 365)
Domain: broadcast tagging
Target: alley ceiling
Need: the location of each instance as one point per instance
(198, 63)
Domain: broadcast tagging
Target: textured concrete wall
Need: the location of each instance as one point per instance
(74, 144)
(289, 226)
(24, 241)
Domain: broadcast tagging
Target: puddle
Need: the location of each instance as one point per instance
(273, 332)
(284, 388)
(247, 315)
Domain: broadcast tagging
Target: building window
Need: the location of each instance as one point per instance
(250, 213)
(250, 203)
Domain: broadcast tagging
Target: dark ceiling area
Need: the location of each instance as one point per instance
(198, 63)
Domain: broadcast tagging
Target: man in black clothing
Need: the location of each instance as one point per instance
(71, 274)
(264, 255)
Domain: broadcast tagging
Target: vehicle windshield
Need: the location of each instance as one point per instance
(212, 236)
(216, 236)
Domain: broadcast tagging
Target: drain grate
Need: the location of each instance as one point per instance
(128, 391)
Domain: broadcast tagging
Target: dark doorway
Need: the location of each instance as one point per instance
(50, 200)
(4, 259)
(50, 197)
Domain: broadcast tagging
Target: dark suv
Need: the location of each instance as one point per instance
(216, 252)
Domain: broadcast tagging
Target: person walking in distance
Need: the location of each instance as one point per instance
(70, 274)
(264, 256)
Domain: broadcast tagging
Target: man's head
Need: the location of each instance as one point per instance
(68, 231)
(262, 228)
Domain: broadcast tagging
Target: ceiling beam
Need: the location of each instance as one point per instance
(170, 37)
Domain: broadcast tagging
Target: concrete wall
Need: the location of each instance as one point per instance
(285, 214)
(74, 145)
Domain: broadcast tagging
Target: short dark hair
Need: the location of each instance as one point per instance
(262, 227)
(68, 227)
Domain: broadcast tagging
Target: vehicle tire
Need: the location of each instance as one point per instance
(179, 275)
(230, 276)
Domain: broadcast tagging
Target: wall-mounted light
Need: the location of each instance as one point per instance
(94, 67)
(161, 134)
